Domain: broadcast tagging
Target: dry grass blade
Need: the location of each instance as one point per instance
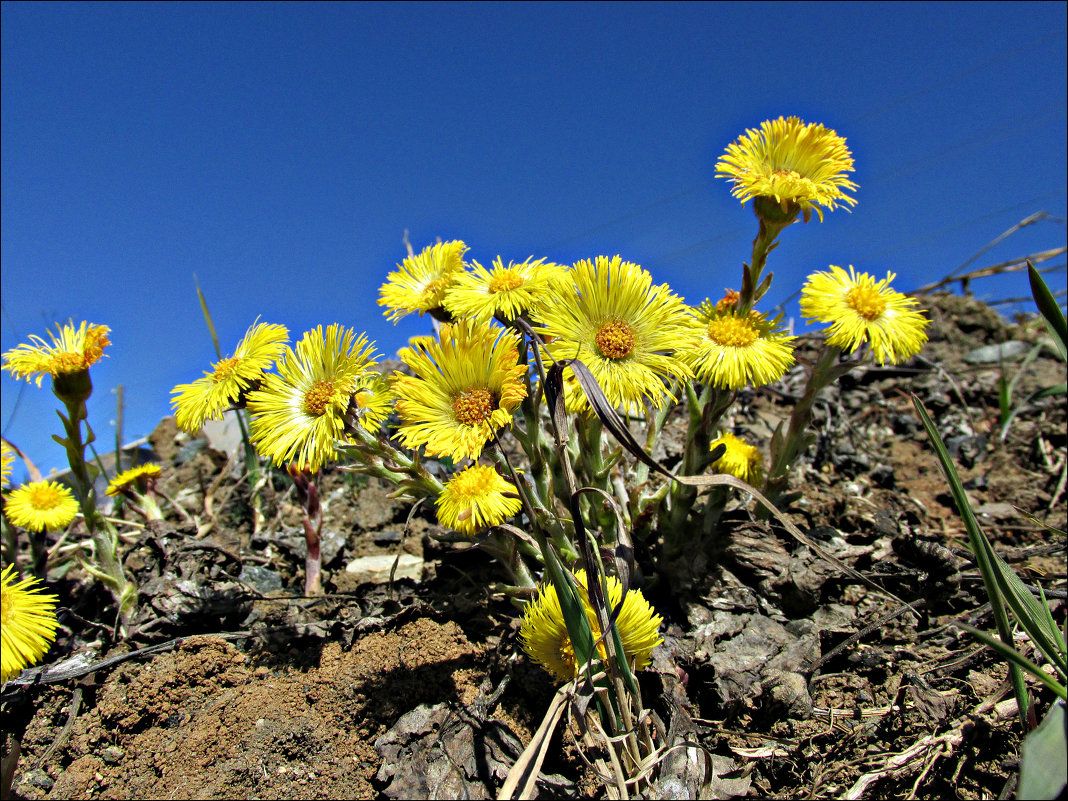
(524, 773)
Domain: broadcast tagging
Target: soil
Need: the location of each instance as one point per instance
(800, 680)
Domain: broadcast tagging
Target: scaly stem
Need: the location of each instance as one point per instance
(313, 527)
(73, 392)
(772, 222)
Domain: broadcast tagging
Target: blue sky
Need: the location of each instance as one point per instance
(279, 151)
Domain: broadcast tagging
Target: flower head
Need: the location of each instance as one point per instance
(475, 499)
(140, 477)
(374, 400)
(209, 396)
(298, 413)
(504, 292)
(734, 350)
(73, 350)
(544, 632)
(801, 165)
(27, 623)
(861, 309)
(624, 329)
(740, 459)
(41, 505)
(419, 282)
(464, 387)
(7, 462)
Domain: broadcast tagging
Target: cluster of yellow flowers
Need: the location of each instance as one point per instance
(460, 388)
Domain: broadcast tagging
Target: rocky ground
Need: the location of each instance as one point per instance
(800, 680)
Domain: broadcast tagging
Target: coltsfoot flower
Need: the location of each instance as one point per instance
(504, 292)
(298, 413)
(73, 350)
(7, 462)
(802, 166)
(544, 633)
(466, 386)
(27, 623)
(740, 460)
(41, 505)
(475, 499)
(138, 478)
(208, 397)
(734, 350)
(374, 400)
(624, 329)
(419, 282)
(861, 309)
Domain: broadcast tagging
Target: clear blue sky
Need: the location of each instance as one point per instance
(279, 151)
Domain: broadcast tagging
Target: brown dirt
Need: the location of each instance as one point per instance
(798, 688)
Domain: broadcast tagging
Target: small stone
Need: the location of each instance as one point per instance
(788, 693)
(112, 754)
(391, 537)
(375, 569)
(37, 778)
(997, 511)
(261, 579)
(994, 354)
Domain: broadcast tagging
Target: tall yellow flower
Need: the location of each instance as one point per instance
(209, 396)
(73, 350)
(27, 623)
(740, 459)
(543, 631)
(734, 350)
(298, 414)
(504, 292)
(7, 462)
(477, 498)
(802, 166)
(861, 309)
(624, 329)
(419, 282)
(374, 400)
(465, 387)
(139, 477)
(41, 505)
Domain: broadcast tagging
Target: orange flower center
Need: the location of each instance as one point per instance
(867, 302)
(222, 370)
(45, 498)
(505, 281)
(615, 339)
(473, 406)
(318, 398)
(732, 332)
(65, 362)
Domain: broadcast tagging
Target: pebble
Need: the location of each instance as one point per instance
(375, 569)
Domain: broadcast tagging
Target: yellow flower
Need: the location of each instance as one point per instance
(860, 309)
(504, 292)
(803, 165)
(27, 623)
(140, 476)
(7, 462)
(419, 282)
(475, 499)
(208, 397)
(41, 505)
(465, 387)
(299, 413)
(545, 638)
(373, 399)
(740, 460)
(624, 329)
(737, 349)
(73, 350)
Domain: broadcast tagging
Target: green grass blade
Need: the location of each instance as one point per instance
(1050, 310)
(207, 318)
(1016, 659)
(1031, 614)
(980, 547)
